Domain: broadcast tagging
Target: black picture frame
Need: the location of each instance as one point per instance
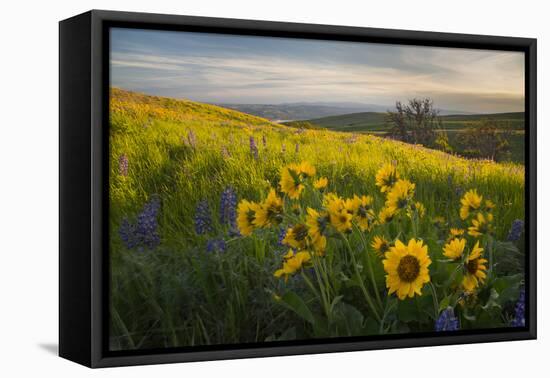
(83, 196)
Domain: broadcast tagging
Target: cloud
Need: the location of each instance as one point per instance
(214, 68)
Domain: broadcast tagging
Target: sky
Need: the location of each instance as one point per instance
(217, 68)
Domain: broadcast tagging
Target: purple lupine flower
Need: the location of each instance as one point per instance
(253, 148)
(192, 138)
(127, 232)
(447, 321)
(264, 140)
(282, 234)
(228, 210)
(123, 165)
(144, 232)
(515, 230)
(297, 148)
(216, 245)
(203, 220)
(519, 318)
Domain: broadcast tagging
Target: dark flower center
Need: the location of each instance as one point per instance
(250, 216)
(471, 266)
(408, 268)
(402, 203)
(300, 232)
(274, 213)
(322, 224)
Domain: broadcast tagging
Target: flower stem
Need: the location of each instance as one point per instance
(436, 302)
(371, 269)
(360, 281)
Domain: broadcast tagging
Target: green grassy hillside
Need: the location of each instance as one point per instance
(372, 121)
(182, 276)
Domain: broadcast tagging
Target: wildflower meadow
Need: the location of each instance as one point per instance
(227, 228)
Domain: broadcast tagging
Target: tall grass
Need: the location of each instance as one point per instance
(183, 152)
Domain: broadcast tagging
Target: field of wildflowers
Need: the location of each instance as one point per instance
(226, 228)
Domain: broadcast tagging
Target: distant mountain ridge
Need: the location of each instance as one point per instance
(299, 111)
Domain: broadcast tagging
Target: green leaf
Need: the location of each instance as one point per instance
(296, 304)
(445, 302)
(349, 318)
(492, 301)
(407, 310)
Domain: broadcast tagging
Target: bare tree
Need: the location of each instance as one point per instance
(415, 122)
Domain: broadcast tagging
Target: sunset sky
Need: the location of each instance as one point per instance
(257, 70)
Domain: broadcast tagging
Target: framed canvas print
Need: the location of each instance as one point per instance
(234, 188)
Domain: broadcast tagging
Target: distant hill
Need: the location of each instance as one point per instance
(291, 112)
(301, 111)
(376, 121)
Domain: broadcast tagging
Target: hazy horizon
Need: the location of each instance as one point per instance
(216, 68)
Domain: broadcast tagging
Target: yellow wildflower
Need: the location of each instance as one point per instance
(270, 211)
(380, 245)
(296, 236)
(400, 196)
(480, 225)
(386, 215)
(364, 214)
(474, 269)
(407, 268)
(320, 183)
(386, 177)
(454, 248)
(455, 232)
(246, 216)
(470, 202)
(292, 263)
(290, 181)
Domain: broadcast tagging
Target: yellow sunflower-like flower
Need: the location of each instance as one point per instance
(454, 248)
(270, 211)
(363, 212)
(407, 268)
(292, 263)
(246, 216)
(291, 183)
(480, 225)
(320, 183)
(386, 215)
(341, 220)
(474, 269)
(400, 196)
(316, 223)
(319, 244)
(456, 232)
(470, 202)
(489, 205)
(307, 169)
(386, 177)
(333, 202)
(296, 237)
(292, 177)
(419, 208)
(380, 245)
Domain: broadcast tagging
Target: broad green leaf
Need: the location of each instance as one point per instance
(296, 304)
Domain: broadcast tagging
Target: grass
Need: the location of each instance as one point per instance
(375, 121)
(185, 152)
